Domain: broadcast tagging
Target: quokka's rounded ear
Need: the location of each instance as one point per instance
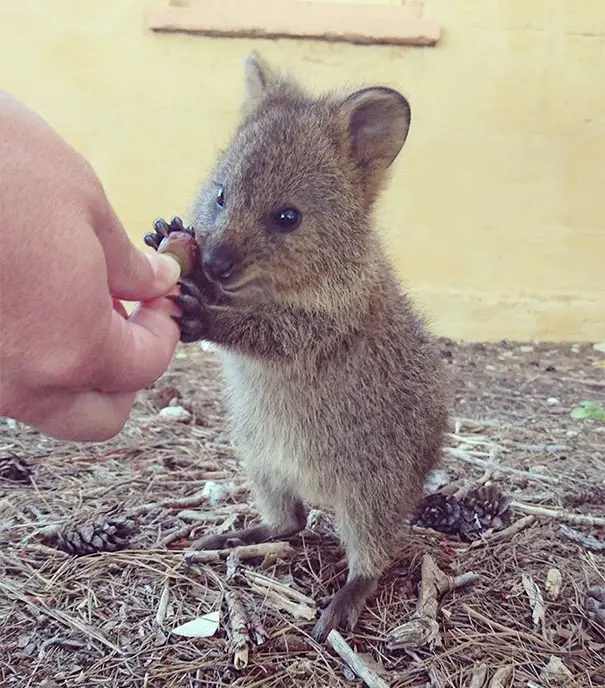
(258, 77)
(378, 124)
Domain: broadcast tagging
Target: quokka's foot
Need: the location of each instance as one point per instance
(345, 607)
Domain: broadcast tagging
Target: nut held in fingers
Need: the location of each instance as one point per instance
(183, 248)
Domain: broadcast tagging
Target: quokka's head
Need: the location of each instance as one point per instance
(285, 214)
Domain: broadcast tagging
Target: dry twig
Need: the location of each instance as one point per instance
(177, 534)
(354, 661)
(422, 628)
(462, 455)
(272, 584)
(263, 549)
(502, 535)
(588, 541)
(299, 610)
(560, 514)
(239, 629)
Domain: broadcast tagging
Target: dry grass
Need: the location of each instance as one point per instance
(105, 620)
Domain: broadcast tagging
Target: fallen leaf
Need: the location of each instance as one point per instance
(163, 605)
(553, 583)
(555, 673)
(202, 627)
(588, 410)
(535, 599)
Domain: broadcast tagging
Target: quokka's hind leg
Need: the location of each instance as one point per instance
(282, 513)
(368, 548)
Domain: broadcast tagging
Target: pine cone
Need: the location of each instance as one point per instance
(491, 508)
(440, 512)
(15, 469)
(468, 515)
(108, 535)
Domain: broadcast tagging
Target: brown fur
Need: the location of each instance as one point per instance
(335, 387)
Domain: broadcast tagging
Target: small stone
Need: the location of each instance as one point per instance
(526, 349)
(592, 605)
(177, 414)
(30, 649)
(553, 401)
(11, 423)
(597, 592)
(572, 433)
(600, 347)
(23, 640)
(575, 349)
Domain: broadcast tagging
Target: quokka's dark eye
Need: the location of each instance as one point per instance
(220, 197)
(286, 219)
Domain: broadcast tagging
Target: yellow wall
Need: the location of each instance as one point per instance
(496, 215)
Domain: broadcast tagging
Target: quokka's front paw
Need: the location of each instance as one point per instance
(163, 229)
(193, 322)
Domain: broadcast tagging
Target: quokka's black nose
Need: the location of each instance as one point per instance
(219, 263)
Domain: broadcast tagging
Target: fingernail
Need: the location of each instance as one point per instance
(166, 269)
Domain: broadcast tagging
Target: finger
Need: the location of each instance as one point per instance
(82, 417)
(132, 274)
(138, 350)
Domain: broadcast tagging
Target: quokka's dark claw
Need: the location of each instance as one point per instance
(190, 307)
(161, 226)
(188, 288)
(164, 229)
(151, 240)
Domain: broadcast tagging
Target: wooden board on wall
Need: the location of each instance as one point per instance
(339, 21)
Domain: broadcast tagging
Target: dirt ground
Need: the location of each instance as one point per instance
(107, 619)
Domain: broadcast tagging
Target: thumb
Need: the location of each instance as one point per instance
(132, 274)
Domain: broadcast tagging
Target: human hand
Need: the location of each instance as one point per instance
(71, 360)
